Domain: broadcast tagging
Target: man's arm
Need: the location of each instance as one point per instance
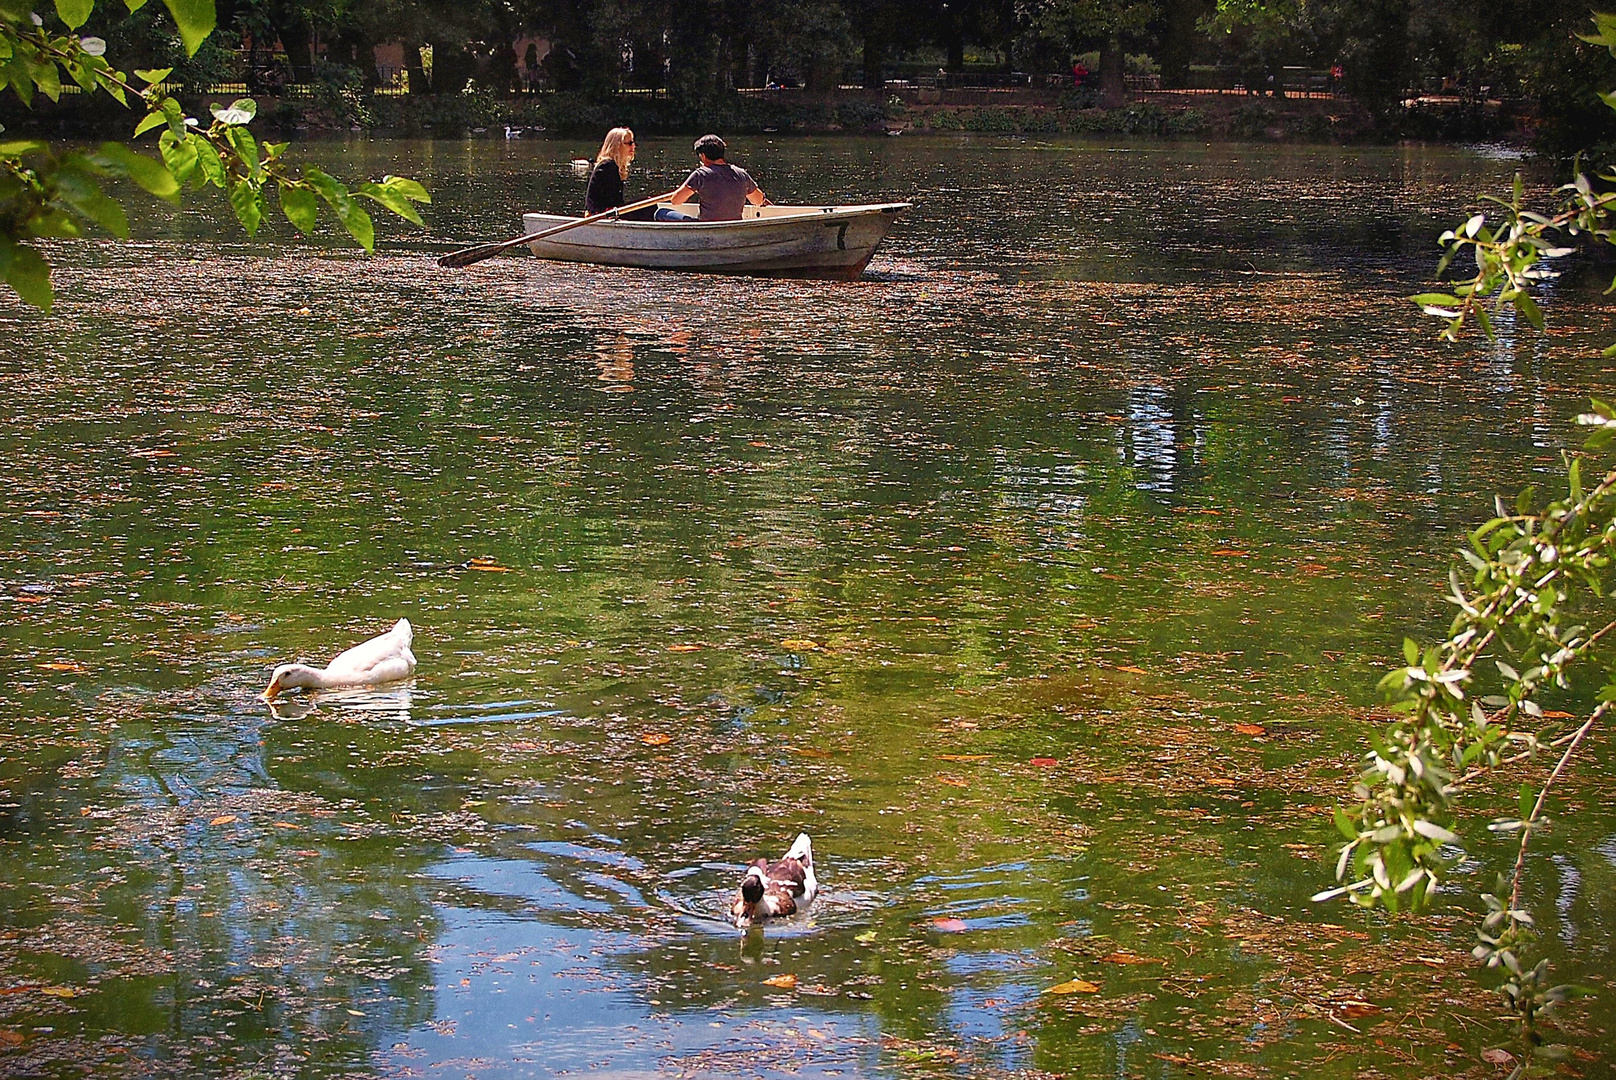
(682, 195)
(757, 198)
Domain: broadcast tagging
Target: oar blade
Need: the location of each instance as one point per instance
(457, 259)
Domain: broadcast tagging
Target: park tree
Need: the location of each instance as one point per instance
(1111, 26)
(48, 192)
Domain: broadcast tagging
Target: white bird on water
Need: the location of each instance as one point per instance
(383, 659)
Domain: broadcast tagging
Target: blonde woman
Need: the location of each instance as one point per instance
(606, 180)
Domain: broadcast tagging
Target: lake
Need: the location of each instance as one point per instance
(1044, 577)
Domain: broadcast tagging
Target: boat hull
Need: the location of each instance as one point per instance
(833, 242)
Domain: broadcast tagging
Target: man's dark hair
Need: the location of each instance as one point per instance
(711, 147)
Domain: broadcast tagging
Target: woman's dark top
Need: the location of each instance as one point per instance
(606, 192)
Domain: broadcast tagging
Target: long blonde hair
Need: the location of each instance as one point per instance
(618, 147)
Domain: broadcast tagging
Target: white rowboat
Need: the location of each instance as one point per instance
(771, 241)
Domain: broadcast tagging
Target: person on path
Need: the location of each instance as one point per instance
(605, 189)
(724, 189)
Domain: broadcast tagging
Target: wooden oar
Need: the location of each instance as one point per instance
(467, 256)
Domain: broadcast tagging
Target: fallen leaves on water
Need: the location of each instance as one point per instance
(964, 757)
(1129, 958)
(60, 991)
(809, 751)
(1357, 1010)
(953, 781)
(684, 647)
(1045, 762)
(949, 926)
(10, 1038)
(223, 819)
(1497, 1056)
(1251, 729)
(68, 665)
(784, 982)
(866, 938)
(656, 738)
(484, 562)
(796, 644)
(1134, 670)
(1075, 986)
(1230, 552)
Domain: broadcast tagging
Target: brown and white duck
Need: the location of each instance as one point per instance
(774, 891)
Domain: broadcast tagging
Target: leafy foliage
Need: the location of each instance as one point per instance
(1529, 572)
(47, 193)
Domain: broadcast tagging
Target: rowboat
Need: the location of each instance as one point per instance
(771, 241)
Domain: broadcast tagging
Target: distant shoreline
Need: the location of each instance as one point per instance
(1164, 114)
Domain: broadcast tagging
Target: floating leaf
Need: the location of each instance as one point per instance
(799, 644)
(950, 926)
(62, 665)
(684, 646)
(656, 738)
(60, 991)
(952, 781)
(1354, 1010)
(1251, 729)
(1129, 958)
(1230, 552)
(964, 757)
(866, 938)
(1075, 986)
(784, 982)
(1134, 670)
(1044, 762)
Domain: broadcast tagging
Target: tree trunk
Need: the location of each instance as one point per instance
(875, 62)
(1113, 91)
(417, 72)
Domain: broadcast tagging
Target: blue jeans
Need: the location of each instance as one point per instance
(663, 214)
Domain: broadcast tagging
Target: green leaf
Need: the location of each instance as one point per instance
(153, 76)
(74, 12)
(78, 190)
(26, 271)
(179, 154)
(408, 188)
(195, 19)
(149, 121)
(48, 81)
(247, 147)
(1411, 651)
(241, 111)
(209, 163)
(358, 224)
(353, 218)
(246, 202)
(1528, 307)
(149, 174)
(1526, 801)
(1344, 825)
(17, 148)
(392, 199)
(300, 207)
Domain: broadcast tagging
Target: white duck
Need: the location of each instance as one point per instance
(770, 892)
(383, 659)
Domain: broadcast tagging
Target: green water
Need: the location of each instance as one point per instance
(969, 569)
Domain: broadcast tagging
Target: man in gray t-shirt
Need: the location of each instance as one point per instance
(724, 189)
